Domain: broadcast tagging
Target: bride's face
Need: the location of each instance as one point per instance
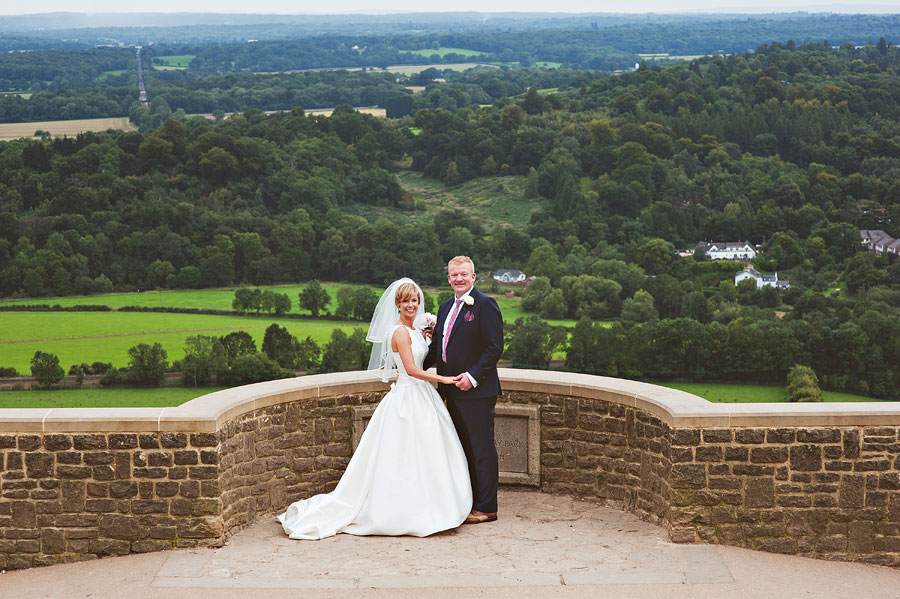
(409, 306)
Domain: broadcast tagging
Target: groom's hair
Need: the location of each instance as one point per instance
(406, 291)
(462, 260)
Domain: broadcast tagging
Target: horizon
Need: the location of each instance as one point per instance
(399, 7)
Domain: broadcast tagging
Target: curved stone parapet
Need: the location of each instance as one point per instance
(821, 480)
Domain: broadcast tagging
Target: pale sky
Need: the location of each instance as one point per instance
(9, 7)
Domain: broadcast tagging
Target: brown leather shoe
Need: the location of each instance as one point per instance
(476, 517)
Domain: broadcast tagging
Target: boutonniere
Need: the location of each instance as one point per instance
(469, 317)
(469, 300)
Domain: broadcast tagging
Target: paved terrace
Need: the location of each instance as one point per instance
(542, 546)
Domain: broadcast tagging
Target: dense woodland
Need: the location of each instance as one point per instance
(791, 147)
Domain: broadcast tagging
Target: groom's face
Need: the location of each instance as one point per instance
(461, 277)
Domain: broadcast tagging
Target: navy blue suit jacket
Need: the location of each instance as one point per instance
(474, 346)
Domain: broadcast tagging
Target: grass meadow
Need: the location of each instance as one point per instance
(173, 62)
(102, 398)
(734, 393)
(491, 199)
(77, 337)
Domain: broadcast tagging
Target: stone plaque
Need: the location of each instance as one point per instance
(517, 433)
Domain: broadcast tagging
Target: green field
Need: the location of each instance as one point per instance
(106, 74)
(728, 393)
(175, 61)
(211, 299)
(490, 199)
(442, 52)
(107, 336)
(102, 398)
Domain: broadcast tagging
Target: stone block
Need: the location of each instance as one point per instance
(173, 440)
(686, 476)
(722, 435)
(101, 506)
(73, 472)
(759, 492)
(22, 514)
(750, 436)
(89, 442)
(819, 435)
(107, 547)
(68, 457)
(768, 455)
(150, 506)
(122, 441)
(708, 454)
(853, 488)
(123, 489)
(98, 458)
(57, 442)
(685, 437)
(29, 442)
(806, 457)
(186, 457)
(39, 465)
(159, 458)
(53, 541)
(204, 440)
(148, 441)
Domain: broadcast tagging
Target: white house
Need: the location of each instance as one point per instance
(509, 276)
(761, 279)
(727, 250)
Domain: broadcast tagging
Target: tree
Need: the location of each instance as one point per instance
(147, 365)
(803, 385)
(246, 299)
(531, 343)
(656, 256)
(237, 344)
(343, 352)
(314, 297)
(280, 346)
(45, 369)
(639, 308)
(204, 356)
(363, 303)
(252, 368)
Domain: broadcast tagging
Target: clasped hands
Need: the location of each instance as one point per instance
(462, 381)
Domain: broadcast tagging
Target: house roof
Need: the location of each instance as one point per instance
(503, 271)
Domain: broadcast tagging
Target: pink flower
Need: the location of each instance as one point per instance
(426, 321)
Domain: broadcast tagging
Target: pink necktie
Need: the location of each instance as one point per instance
(450, 328)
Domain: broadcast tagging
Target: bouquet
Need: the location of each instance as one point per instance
(425, 321)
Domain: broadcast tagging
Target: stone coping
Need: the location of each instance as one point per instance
(676, 408)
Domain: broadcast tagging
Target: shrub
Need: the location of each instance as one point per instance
(803, 385)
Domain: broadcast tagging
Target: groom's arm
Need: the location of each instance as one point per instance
(491, 324)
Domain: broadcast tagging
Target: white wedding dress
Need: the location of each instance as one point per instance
(408, 476)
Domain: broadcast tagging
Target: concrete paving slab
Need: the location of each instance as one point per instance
(542, 546)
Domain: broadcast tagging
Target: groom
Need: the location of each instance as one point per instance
(466, 344)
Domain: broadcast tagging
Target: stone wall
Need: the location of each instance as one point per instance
(817, 480)
(831, 492)
(69, 497)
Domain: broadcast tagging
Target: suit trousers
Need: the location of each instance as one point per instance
(474, 421)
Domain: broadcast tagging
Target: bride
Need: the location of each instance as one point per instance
(408, 475)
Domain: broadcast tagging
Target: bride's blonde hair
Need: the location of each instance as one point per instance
(406, 291)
